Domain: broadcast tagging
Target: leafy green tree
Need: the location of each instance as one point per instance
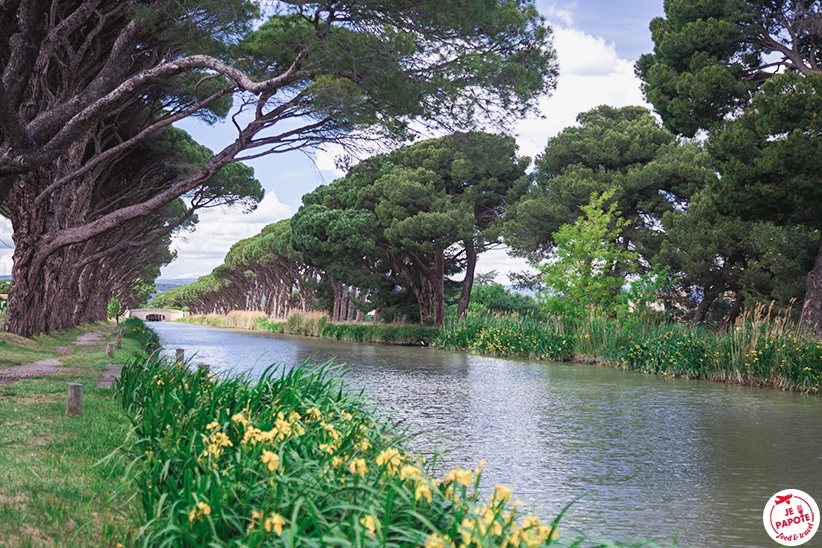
(494, 298)
(750, 73)
(415, 216)
(585, 272)
(113, 308)
(624, 150)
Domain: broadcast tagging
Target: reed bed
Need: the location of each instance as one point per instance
(297, 460)
(516, 336)
(245, 319)
(213, 320)
(761, 349)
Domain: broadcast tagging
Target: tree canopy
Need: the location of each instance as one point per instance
(85, 82)
(749, 73)
(413, 216)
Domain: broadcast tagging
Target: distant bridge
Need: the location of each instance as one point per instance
(156, 314)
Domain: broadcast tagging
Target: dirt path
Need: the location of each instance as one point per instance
(46, 367)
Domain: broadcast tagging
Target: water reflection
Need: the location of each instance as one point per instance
(650, 457)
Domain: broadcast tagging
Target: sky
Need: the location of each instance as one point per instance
(597, 43)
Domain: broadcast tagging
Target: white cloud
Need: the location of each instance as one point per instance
(502, 263)
(220, 228)
(590, 74)
(563, 14)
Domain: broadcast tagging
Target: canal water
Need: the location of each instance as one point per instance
(644, 457)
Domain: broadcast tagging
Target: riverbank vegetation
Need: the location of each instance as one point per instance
(63, 483)
(297, 460)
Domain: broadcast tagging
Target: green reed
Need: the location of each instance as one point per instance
(516, 336)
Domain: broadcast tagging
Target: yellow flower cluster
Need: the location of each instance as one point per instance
(200, 510)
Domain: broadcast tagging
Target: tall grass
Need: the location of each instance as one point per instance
(134, 328)
(296, 460)
(244, 319)
(318, 324)
(759, 350)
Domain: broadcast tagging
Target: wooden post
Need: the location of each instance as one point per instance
(74, 404)
(180, 355)
(110, 350)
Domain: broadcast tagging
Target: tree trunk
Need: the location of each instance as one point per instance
(335, 312)
(438, 286)
(812, 311)
(733, 313)
(361, 299)
(708, 298)
(343, 303)
(468, 281)
(352, 303)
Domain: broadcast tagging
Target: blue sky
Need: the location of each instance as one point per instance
(597, 43)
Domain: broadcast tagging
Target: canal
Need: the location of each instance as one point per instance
(644, 457)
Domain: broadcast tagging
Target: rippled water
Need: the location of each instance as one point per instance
(647, 457)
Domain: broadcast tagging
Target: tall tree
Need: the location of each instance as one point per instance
(749, 72)
(83, 81)
(587, 269)
(416, 215)
(624, 150)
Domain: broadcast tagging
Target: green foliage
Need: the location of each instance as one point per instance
(624, 150)
(507, 336)
(639, 301)
(398, 334)
(585, 271)
(408, 216)
(379, 66)
(4, 286)
(769, 158)
(711, 253)
(134, 328)
(113, 308)
(494, 298)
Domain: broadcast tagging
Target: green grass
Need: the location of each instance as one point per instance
(61, 480)
(515, 336)
(318, 325)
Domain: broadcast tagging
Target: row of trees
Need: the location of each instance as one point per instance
(402, 222)
(619, 197)
(617, 212)
(89, 90)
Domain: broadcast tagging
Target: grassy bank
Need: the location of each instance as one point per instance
(317, 324)
(758, 351)
(297, 460)
(57, 488)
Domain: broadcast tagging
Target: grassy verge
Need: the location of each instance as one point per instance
(297, 460)
(317, 324)
(56, 486)
(757, 351)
